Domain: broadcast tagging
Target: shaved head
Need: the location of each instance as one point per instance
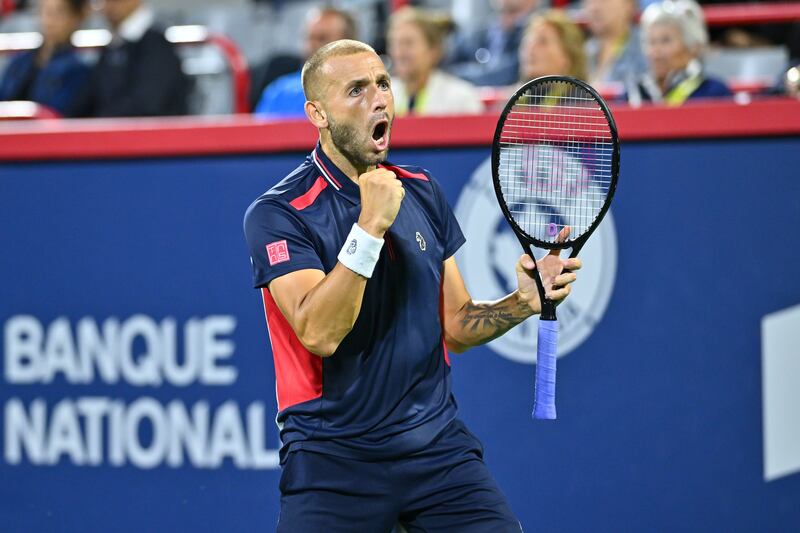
(314, 79)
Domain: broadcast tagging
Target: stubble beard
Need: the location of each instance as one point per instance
(349, 140)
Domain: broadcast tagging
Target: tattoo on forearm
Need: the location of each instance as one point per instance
(485, 321)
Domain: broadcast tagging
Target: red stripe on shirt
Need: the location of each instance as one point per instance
(328, 172)
(310, 196)
(403, 173)
(298, 372)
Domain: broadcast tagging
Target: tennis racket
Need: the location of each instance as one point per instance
(555, 160)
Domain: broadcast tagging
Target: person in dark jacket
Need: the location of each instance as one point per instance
(674, 36)
(490, 56)
(138, 73)
(52, 75)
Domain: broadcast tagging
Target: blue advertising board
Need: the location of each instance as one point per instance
(137, 390)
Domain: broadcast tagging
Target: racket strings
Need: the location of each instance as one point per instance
(556, 160)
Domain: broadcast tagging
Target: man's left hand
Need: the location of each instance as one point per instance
(557, 283)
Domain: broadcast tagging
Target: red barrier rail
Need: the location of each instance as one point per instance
(748, 14)
(741, 14)
(197, 136)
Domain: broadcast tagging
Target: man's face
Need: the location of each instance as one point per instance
(357, 99)
(323, 29)
(116, 11)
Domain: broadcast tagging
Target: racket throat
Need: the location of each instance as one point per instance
(548, 310)
(548, 306)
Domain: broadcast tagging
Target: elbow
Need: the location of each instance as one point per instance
(314, 340)
(454, 346)
(319, 346)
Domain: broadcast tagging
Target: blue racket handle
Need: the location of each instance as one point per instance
(544, 403)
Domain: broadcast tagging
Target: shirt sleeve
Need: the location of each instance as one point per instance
(452, 236)
(279, 243)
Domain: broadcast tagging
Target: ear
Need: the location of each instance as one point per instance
(316, 114)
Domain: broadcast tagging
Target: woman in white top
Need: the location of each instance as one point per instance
(416, 44)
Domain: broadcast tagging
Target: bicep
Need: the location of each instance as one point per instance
(454, 292)
(290, 290)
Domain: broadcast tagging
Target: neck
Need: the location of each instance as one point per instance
(416, 83)
(46, 51)
(351, 169)
(613, 36)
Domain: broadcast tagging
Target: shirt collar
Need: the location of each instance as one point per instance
(343, 185)
(134, 27)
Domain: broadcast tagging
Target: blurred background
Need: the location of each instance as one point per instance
(137, 387)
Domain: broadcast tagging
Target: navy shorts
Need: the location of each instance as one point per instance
(446, 487)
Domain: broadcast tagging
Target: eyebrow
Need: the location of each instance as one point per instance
(360, 82)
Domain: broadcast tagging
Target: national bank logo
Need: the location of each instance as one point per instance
(487, 263)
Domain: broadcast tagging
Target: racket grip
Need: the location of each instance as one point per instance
(544, 403)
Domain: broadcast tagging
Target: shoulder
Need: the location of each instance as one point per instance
(409, 172)
(291, 80)
(450, 94)
(69, 59)
(154, 39)
(290, 196)
(286, 85)
(452, 83)
(21, 60)
(398, 88)
(416, 179)
(713, 87)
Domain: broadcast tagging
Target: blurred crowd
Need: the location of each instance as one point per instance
(638, 52)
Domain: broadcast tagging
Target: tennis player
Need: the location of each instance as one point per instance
(363, 298)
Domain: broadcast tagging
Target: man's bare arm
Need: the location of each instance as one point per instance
(469, 323)
(321, 309)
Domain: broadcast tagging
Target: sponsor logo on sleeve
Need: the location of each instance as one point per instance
(277, 252)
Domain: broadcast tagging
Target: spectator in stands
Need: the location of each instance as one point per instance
(416, 44)
(552, 44)
(139, 72)
(614, 51)
(283, 98)
(490, 56)
(52, 75)
(674, 35)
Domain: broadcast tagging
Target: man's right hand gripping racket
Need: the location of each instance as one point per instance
(555, 160)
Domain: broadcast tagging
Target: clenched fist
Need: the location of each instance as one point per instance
(381, 195)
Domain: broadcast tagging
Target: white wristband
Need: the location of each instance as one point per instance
(360, 252)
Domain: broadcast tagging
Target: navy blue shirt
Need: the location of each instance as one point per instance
(386, 391)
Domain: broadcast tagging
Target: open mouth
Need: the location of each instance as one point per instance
(380, 135)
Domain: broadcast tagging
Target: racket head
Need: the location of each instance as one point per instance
(555, 161)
